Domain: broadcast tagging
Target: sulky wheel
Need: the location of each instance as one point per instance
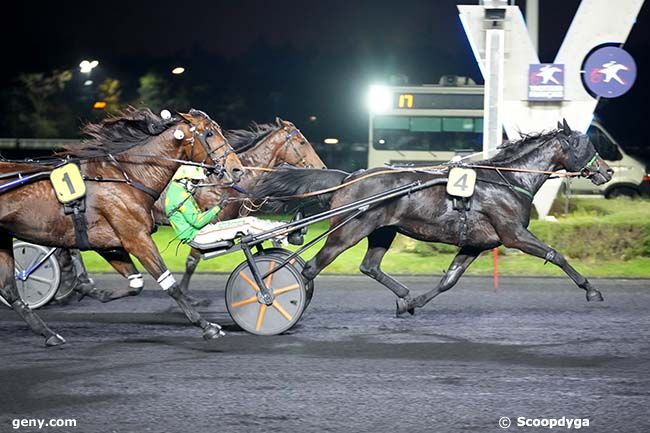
(255, 317)
(37, 279)
(298, 263)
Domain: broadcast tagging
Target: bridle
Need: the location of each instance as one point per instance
(202, 138)
(276, 153)
(586, 171)
(587, 168)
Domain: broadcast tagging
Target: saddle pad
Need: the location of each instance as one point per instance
(68, 183)
(461, 182)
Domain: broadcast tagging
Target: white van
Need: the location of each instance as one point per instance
(629, 172)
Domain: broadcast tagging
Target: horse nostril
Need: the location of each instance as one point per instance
(610, 171)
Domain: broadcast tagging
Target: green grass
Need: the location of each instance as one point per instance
(589, 219)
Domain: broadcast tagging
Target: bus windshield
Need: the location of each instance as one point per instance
(427, 133)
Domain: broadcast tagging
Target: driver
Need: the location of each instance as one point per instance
(192, 225)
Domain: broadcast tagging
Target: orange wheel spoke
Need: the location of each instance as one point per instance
(249, 281)
(247, 301)
(282, 311)
(260, 317)
(278, 292)
(268, 280)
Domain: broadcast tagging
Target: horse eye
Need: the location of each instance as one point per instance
(303, 142)
(209, 134)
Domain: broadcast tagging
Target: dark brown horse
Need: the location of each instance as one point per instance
(498, 213)
(127, 162)
(264, 146)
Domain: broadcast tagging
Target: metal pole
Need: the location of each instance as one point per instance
(532, 22)
(493, 99)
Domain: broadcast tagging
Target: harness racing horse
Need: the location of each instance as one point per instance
(127, 162)
(498, 213)
(264, 146)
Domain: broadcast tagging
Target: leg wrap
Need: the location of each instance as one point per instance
(136, 281)
(166, 280)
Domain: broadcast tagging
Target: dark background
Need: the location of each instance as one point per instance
(253, 60)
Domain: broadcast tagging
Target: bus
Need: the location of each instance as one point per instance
(424, 125)
(431, 124)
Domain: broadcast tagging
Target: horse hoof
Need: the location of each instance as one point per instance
(54, 340)
(594, 295)
(212, 331)
(404, 306)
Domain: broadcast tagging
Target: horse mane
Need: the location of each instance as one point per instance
(119, 132)
(511, 150)
(243, 140)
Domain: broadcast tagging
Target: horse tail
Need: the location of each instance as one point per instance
(283, 187)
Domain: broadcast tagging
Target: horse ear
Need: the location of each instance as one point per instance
(565, 127)
(559, 125)
(278, 121)
(187, 117)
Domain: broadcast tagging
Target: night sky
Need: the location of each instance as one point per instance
(288, 58)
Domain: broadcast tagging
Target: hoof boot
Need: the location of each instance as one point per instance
(594, 295)
(404, 306)
(212, 331)
(54, 340)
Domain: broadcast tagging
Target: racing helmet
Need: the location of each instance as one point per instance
(189, 172)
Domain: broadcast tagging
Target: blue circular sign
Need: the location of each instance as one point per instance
(609, 72)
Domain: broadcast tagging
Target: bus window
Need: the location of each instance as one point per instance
(427, 133)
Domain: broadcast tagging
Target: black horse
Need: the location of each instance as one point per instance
(498, 213)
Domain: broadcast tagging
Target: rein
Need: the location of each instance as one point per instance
(419, 169)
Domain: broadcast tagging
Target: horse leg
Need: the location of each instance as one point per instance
(122, 263)
(143, 247)
(191, 263)
(458, 266)
(527, 242)
(193, 259)
(73, 273)
(337, 242)
(9, 292)
(80, 269)
(379, 242)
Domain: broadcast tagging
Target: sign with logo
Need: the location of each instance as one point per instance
(609, 72)
(546, 82)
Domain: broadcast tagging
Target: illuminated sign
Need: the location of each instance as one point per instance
(433, 101)
(405, 101)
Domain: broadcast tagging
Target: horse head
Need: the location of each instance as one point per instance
(294, 149)
(203, 141)
(580, 155)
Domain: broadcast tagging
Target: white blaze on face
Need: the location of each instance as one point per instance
(166, 280)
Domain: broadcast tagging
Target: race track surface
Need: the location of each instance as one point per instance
(535, 349)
